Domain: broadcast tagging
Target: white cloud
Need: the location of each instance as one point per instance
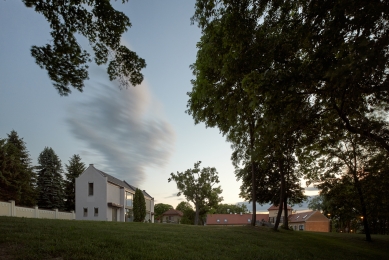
(125, 127)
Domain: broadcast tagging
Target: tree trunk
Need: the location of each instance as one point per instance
(281, 196)
(197, 215)
(363, 205)
(253, 188)
(286, 224)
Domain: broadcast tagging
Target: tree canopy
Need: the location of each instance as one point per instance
(74, 169)
(50, 180)
(197, 185)
(139, 206)
(17, 178)
(159, 209)
(66, 62)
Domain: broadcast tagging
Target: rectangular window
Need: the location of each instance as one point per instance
(96, 212)
(90, 189)
(85, 212)
(129, 198)
(301, 227)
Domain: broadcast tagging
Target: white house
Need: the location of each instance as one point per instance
(100, 196)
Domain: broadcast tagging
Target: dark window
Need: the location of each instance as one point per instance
(90, 189)
(96, 212)
(85, 212)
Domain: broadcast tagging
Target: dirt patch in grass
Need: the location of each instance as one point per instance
(9, 251)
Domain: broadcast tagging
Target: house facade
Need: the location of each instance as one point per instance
(310, 221)
(172, 216)
(100, 196)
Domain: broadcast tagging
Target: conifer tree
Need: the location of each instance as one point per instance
(50, 180)
(74, 169)
(139, 206)
(17, 179)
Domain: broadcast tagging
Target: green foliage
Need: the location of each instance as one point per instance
(316, 203)
(159, 209)
(74, 169)
(139, 206)
(198, 187)
(230, 208)
(103, 26)
(17, 179)
(50, 181)
(189, 213)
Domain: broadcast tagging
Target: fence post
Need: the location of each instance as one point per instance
(36, 212)
(12, 208)
(56, 213)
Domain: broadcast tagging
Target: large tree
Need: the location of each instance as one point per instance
(197, 185)
(66, 61)
(74, 169)
(139, 206)
(50, 181)
(17, 179)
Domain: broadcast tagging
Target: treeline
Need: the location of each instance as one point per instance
(43, 184)
(190, 214)
(300, 89)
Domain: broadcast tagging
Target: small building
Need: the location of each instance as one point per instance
(273, 211)
(172, 216)
(234, 219)
(310, 221)
(100, 196)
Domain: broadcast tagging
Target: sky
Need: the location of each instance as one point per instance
(140, 134)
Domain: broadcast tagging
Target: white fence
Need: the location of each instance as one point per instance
(9, 209)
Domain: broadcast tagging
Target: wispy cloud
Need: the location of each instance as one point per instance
(174, 195)
(126, 128)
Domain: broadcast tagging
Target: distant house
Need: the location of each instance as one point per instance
(100, 196)
(310, 221)
(172, 216)
(234, 219)
(273, 211)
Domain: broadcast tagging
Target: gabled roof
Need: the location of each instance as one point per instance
(274, 207)
(118, 182)
(301, 217)
(173, 212)
(234, 219)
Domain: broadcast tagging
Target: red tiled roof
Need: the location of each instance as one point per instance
(173, 212)
(274, 207)
(234, 219)
(301, 217)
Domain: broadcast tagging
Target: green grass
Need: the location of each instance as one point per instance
(22, 238)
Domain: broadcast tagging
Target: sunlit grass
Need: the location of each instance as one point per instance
(22, 238)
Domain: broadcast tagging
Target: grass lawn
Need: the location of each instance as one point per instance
(22, 238)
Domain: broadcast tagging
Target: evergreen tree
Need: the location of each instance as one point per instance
(50, 181)
(17, 179)
(74, 169)
(139, 206)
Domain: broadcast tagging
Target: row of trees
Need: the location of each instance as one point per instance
(299, 88)
(190, 214)
(41, 185)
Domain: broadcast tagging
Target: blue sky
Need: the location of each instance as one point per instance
(139, 134)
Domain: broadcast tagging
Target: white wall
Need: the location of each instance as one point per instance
(99, 198)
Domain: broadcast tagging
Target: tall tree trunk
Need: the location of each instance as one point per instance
(281, 196)
(253, 188)
(363, 205)
(197, 215)
(286, 224)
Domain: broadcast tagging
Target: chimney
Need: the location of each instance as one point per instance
(91, 164)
